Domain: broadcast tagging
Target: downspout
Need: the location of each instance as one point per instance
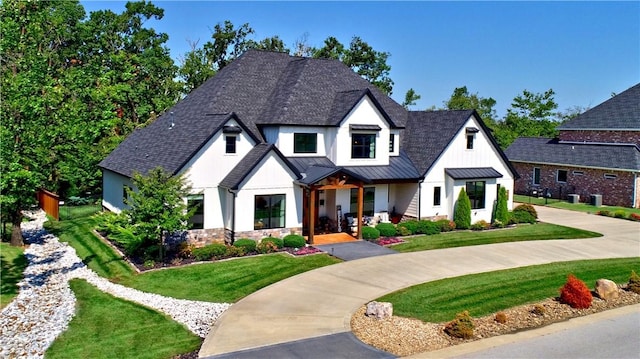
(635, 189)
(233, 215)
(420, 197)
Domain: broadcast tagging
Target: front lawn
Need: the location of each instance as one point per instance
(523, 232)
(580, 207)
(486, 293)
(225, 281)
(108, 327)
(13, 263)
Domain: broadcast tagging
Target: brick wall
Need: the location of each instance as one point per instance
(601, 136)
(615, 192)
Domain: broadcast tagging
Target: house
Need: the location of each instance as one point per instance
(596, 153)
(274, 144)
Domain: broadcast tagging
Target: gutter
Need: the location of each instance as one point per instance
(233, 214)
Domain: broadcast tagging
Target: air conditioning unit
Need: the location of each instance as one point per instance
(574, 198)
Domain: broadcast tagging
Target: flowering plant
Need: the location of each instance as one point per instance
(306, 250)
(389, 240)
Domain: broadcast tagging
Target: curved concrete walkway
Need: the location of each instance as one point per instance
(321, 302)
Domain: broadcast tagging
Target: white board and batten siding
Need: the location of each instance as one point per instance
(113, 185)
(456, 155)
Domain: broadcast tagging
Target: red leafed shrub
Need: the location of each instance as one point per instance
(576, 293)
(634, 217)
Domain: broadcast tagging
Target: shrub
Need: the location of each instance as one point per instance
(277, 241)
(498, 224)
(428, 227)
(462, 211)
(525, 207)
(634, 217)
(152, 251)
(410, 225)
(176, 261)
(522, 217)
(634, 282)
(501, 318)
(184, 250)
(249, 245)
(266, 247)
(403, 231)
(294, 241)
(461, 327)
(370, 233)
(149, 263)
(386, 229)
(620, 214)
(480, 225)
(211, 251)
(233, 251)
(502, 212)
(576, 293)
(446, 225)
(538, 309)
(605, 213)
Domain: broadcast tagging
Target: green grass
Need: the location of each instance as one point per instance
(486, 293)
(71, 212)
(526, 232)
(96, 254)
(580, 207)
(226, 281)
(108, 327)
(13, 263)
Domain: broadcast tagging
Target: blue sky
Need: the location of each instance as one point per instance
(584, 51)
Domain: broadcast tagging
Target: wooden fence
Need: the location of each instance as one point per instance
(49, 202)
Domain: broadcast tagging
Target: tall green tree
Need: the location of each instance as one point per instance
(410, 98)
(462, 99)
(531, 115)
(462, 211)
(501, 212)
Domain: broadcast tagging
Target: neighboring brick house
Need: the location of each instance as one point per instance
(598, 152)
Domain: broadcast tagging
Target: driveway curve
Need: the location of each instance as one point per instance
(321, 302)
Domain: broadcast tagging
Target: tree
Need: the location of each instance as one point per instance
(18, 186)
(462, 211)
(157, 208)
(410, 98)
(501, 214)
(461, 99)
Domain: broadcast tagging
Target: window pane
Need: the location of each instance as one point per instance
(476, 193)
(230, 144)
(363, 145)
(368, 201)
(562, 176)
(436, 196)
(392, 139)
(196, 203)
(269, 211)
(536, 176)
(469, 142)
(305, 142)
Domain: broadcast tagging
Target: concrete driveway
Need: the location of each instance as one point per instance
(320, 303)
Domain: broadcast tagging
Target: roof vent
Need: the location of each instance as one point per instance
(172, 124)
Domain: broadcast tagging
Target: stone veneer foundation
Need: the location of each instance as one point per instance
(203, 237)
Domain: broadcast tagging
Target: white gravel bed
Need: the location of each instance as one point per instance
(45, 304)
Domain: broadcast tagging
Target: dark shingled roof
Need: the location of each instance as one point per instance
(162, 144)
(429, 132)
(240, 172)
(551, 151)
(621, 112)
(469, 173)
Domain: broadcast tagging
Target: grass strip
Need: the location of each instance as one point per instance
(108, 327)
(225, 281)
(12, 263)
(486, 293)
(96, 254)
(580, 207)
(523, 232)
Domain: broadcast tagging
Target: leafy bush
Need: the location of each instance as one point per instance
(211, 251)
(233, 251)
(538, 309)
(265, 247)
(152, 251)
(446, 225)
(480, 225)
(576, 293)
(427, 227)
(502, 212)
(370, 233)
(461, 327)
(403, 231)
(620, 214)
(522, 217)
(184, 249)
(634, 282)
(249, 245)
(77, 201)
(411, 226)
(634, 217)
(294, 241)
(462, 211)
(525, 207)
(277, 241)
(149, 263)
(386, 229)
(605, 213)
(501, 318)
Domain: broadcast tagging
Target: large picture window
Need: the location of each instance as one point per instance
(476, 193)
(195, 203)
(269, 211)
(305, 143)
(369, 198)
(363, 145)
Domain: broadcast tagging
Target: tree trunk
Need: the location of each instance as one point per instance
(16, 234)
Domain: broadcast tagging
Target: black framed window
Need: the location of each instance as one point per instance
(392, 142)
(562, 176)
(305, 143)
(363, 145)
(470, 142)
(436, 195)
(269, 211)
(476, 192)
(195, 203)
(536, 176)
(369, 198)
(230, 144)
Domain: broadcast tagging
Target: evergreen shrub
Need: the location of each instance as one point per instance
(249, 245)
(277, 241)
(461, 327)
(294, 241)
(634, 282)
(386, 229)
(211, 251)
(462, 211)
(427, 227)
(370, 233)
(576, 293)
